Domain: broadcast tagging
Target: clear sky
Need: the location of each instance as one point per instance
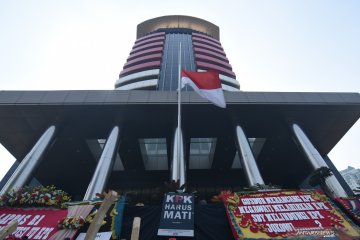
(273, 45)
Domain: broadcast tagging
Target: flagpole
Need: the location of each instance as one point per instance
(179, 96)
(179, 120)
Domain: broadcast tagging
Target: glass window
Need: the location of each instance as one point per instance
(256, 145)
(236, 163)
(169, 72)
(154, 153)
(96, 147)
(201, 153)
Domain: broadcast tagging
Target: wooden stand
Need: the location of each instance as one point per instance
(9, 229)
(136, 229)
(94, 227)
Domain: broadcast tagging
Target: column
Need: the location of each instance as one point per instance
(247, 158)
(316, 160)
(104, 166)
(178, 167)
(25, 170)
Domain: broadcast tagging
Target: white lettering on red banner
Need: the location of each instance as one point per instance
(33, 223)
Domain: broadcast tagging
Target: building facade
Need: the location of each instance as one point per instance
(352, 177)
(125, 139)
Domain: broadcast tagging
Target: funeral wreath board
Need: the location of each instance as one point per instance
(283, 214)
(34, 223)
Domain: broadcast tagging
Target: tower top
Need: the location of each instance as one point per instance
(178, 21)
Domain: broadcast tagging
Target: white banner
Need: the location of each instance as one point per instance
(99, 236)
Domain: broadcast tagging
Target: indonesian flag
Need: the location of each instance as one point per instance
(206, 84)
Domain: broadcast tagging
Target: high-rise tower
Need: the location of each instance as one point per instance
(153, 60)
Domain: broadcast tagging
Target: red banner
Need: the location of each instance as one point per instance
(352, 206)
(34, 223)
(283, 214)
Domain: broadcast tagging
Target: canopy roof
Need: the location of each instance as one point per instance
(87, 116)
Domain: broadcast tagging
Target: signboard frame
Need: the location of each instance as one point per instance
(177, 215)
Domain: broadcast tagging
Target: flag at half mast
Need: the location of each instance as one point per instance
(206, 84)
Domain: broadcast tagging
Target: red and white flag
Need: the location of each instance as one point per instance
(206, 84)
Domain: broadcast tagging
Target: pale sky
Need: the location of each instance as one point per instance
(273, 45)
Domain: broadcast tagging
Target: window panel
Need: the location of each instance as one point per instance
(154, 153)
(201, 153)
(169, 72)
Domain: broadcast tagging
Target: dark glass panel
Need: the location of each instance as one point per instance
(169, 73)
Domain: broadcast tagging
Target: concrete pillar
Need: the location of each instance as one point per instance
(178, 166)
(104, 166)
(247, 158)
(316, 160)
(24, 171)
